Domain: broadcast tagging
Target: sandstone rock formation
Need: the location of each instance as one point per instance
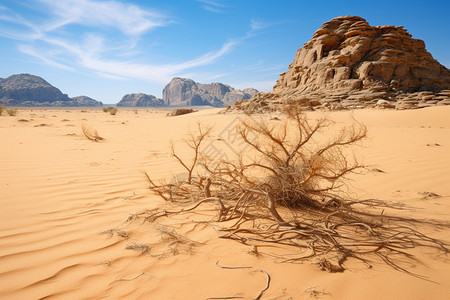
(30, 90)
(350, 64)
(140, 100)
(186, 92)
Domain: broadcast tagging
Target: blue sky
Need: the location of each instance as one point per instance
(106, 49)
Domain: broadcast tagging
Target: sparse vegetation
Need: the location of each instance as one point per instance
(12, 111)
(289, 190)
(115, 231)
(170, 239)
(90, 133)
(1, 109)
(143, 248)
(111, 110)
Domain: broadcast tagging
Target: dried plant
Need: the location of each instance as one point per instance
(170, 243)
(90, 133)
(11, 112)
(1, 109)
(115, 231)
(289, 190)
(113, 111)
(143, 248)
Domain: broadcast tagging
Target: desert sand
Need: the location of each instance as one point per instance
(65, 201)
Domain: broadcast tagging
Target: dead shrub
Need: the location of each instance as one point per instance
(1, 109)
(288, 190)
(91, 134)
(111, 110)
(12, 111)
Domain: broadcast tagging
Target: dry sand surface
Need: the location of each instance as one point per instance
(60, 191)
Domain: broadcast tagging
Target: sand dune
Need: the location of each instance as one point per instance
(61, 193)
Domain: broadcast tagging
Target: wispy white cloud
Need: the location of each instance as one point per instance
(29, 50)
(208, 57)
(212, 3)
(92, 60)
(90, 48)
(257, 25)
(213, 6)
(149, 72)
(14, 26)
(128, 18)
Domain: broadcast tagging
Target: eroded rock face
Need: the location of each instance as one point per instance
(17, 89)
(186, 92)
(350, 64)
(31, 90)
(140, 100)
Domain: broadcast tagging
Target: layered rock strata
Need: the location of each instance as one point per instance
(350, 64)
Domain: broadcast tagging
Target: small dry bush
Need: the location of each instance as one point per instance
(111, 110)
(170, 243)
(91, 134)
(289, 190)
(115, 232)
(1, 109)
(180, 111)
(12, 112)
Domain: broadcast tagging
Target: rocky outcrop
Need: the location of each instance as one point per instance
(86, 101)
(23, 89)
(140, 100)
(186, 92)
(350, 64)
(30, 90)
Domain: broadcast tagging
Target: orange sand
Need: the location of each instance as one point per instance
(59, 191)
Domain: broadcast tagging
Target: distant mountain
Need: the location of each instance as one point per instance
(31, 90)
(140, 100)
(86, 101)
(186, 92)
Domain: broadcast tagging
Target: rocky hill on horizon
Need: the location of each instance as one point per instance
(86, 101)
(31, 90)
(187, 92)
(350, 64)
(140, 100)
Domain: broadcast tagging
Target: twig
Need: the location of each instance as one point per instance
(223, 267)
(232, 297)
(267, 284)
(129, 279)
